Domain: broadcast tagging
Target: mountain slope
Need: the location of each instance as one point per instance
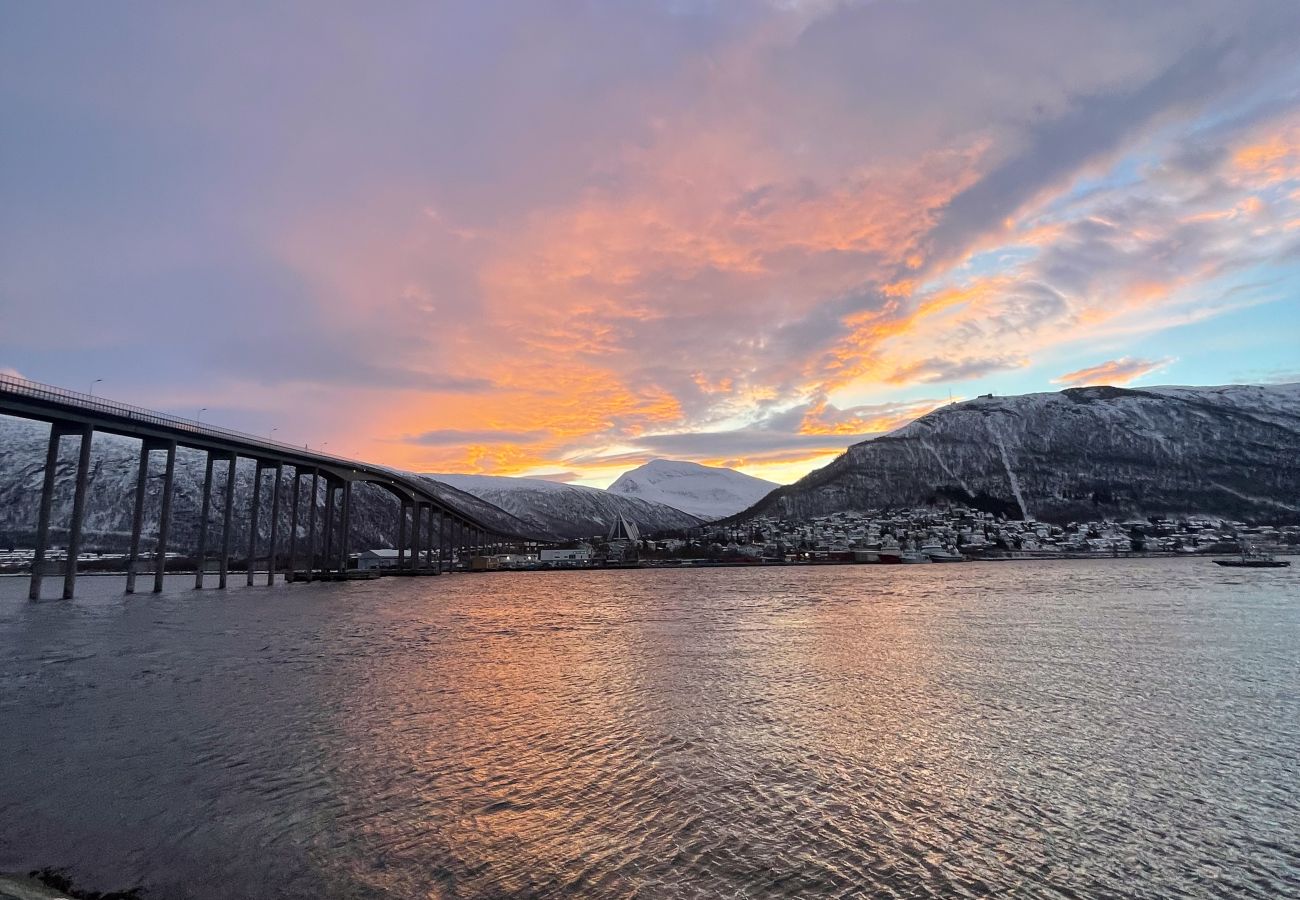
(1230, 451)
(704, 491)
(568, 510)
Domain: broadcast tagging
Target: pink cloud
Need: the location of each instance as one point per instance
(1113, 371)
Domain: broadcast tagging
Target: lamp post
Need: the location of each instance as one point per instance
(92, 385)
(202, 410)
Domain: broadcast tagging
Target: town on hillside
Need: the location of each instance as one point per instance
(922, 535)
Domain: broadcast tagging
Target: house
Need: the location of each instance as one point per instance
(575, 556)
(366, 560)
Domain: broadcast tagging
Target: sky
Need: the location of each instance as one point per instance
(560, 239)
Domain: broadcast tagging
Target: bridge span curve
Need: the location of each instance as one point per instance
(432, 532)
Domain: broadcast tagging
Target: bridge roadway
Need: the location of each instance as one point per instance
(81, 415)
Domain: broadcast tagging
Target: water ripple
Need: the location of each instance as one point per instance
(1072, 730)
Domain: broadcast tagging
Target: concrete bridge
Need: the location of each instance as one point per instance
(432, 532)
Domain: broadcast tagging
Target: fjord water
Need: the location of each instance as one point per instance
(1053, 729)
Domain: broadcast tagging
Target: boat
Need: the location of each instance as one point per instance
(935, 551)
(1254, 563)
(890, 553)
(1251, 559)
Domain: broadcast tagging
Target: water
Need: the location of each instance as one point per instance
(1071, 729)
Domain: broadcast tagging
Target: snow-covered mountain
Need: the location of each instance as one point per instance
(705, 491)
(568, 510)
(1082, 453)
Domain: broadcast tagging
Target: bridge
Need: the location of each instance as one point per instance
(323, 554)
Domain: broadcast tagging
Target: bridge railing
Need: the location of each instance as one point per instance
(34, 390)
(23, 387)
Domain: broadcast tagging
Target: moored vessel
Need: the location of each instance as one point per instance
(1251, 559)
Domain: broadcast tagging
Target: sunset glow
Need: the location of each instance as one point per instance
(511, 239)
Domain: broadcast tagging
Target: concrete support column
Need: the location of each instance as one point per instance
(203, 522)
(137, 517)
(428, 541)
(327, 559)
(165, 518)
(293, 522)
(43, 519)
(78, 513)
(442, 541)
(311, 521)
(253, 512)
(229, 504)
(275, 523)
(401, 537)
(445, 530)
(345, 525)
(417, 514)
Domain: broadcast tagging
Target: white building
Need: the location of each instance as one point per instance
(375, 559)
(568, 557)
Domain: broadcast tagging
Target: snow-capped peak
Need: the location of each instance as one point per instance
(709, 492)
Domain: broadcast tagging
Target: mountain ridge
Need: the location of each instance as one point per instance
(567, 510)
(1229, 450)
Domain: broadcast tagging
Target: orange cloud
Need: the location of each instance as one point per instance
(1275, 157)
(1113, 371)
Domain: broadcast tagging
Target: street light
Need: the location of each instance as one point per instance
(271, 436)
(92, 385)
(201, 412)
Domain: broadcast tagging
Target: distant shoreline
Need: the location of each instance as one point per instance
(1021, 556)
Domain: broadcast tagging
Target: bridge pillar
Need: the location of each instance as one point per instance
(43, 520)
(401, 538)
(137, 516)
(203, 522)
(442, 541)
(275, 523)
(417, 515)
(229, 501)
(253, 511)
(345, 525)
(311, 522)
(165, 518)
(448, 536)
(327, 559)
(293, 522)
(428, 541)
(78, 513)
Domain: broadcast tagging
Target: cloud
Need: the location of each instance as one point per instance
(1113, 371)
(456, 438)
(737, 231)
(935, 370)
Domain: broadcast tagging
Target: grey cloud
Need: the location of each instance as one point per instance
(936, 370)
(737, 443)
(1096, 126)
(452, 437)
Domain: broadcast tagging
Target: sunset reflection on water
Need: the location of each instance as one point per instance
(938, 731)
